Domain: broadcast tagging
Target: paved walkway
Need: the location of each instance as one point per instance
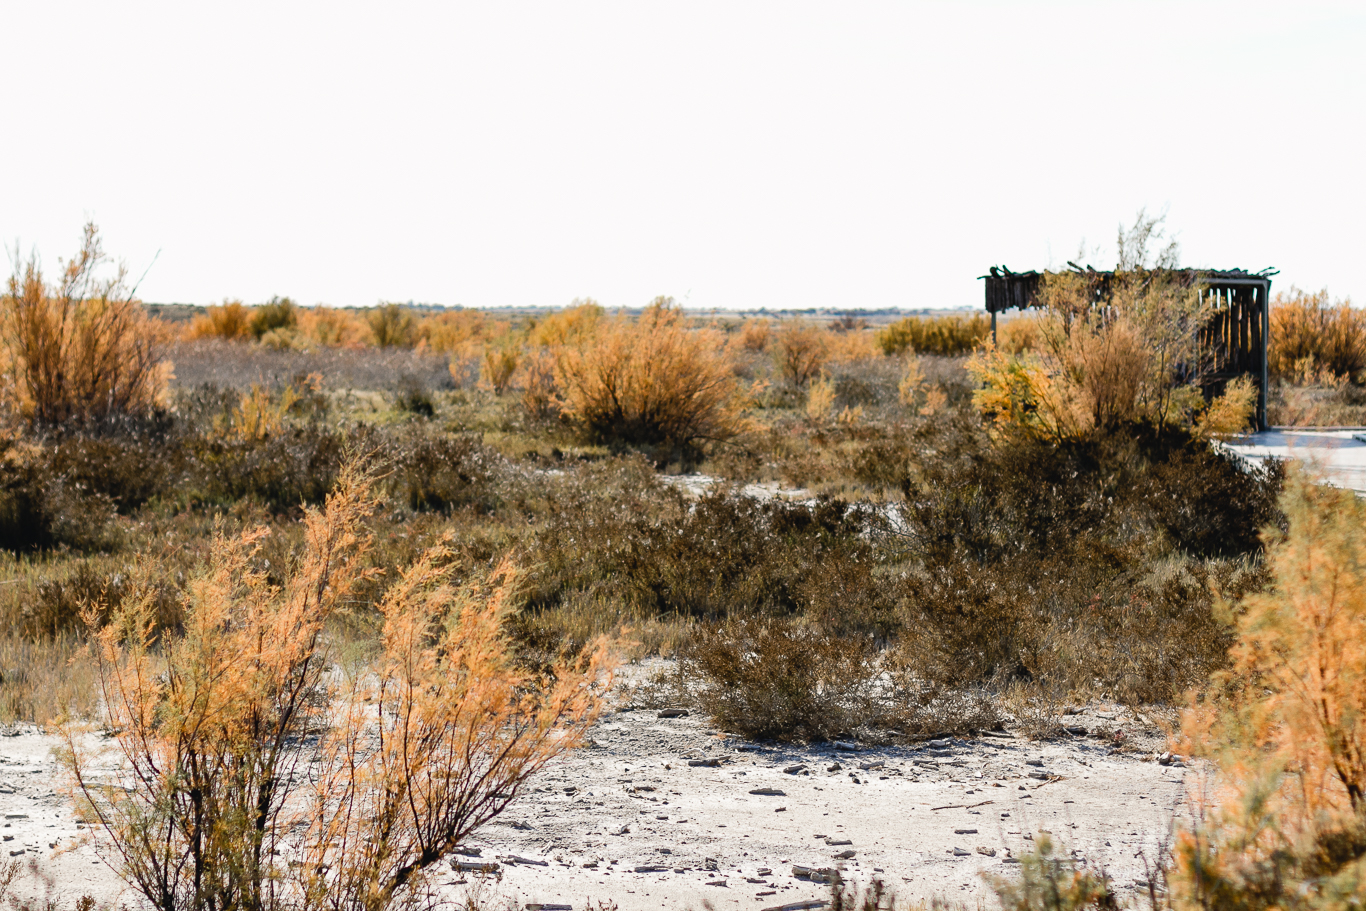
(1338, 454)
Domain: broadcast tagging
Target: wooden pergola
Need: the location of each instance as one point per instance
(1235, 335)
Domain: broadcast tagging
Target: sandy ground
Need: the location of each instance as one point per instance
(664, 812)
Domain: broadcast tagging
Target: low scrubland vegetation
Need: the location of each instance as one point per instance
(1044, 515)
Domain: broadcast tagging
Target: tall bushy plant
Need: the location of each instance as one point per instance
(1311, 335)
(81, 350)
(1287, 724)
(258, 776)
(652, 382)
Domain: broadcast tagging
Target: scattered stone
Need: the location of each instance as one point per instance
(468, 852)
(835, 767)
(846, 746)
(624, 830)
(836, 842)
(1010, 860)
(811, 904)
(844, 855)
(794, 770)
(964, 831)
(869, 766)
(768, 792)
(1076, 730)
(651, 868)
(469, 866)
(543, 906)
(673, 713)
(959, 852)
(1034, 762)
(989, 852)
(518, 859)
(717, 882)
(1039, 776)
(704, 763)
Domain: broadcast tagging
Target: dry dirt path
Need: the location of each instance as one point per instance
(664, 812)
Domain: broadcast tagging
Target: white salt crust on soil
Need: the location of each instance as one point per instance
(630, 799)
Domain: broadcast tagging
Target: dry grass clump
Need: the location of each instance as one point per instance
(404, 758)
(1311, 337)
(652, 382)
(946, 336)
(1286, 724)
(81, 351)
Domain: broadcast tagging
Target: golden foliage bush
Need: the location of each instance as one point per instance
(651, 382)
(80, 351)
(230, 320)
(1310, 335)
(461, 332)
(800, 352)
(948, 336)
(330, 327)
(1286, 725)
(263, 775)
(498, 367)
(574, 325)
(393, 326)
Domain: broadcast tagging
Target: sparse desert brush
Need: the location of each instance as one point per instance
(79, 352)
(652, 382)
(330, 327)
(498, 367)
(1310, 334)
(229, 320)
(1286, 725)
(461, 332)
(393, 326)
(276, 319)
(261, 776)
(947, 336)
(755, 334)
(820, 399)
(574, 325)
(1019, 333)
(800, 352)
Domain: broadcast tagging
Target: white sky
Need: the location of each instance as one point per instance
(730, 154)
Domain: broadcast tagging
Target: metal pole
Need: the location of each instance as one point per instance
(1266, 337)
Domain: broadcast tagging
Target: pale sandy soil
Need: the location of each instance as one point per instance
(631, 799)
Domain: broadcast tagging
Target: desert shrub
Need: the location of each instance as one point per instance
(276, 315)
(1310, 334)
(41, 508)
(230, 320)
(440, 473)
(755, 334)
(652, 383)
(1033, 560)
(947, 336)
(574, 325)
(460, 332)
(412, 397)
(1018, 333)
(82, 351)
(404, 759)
(281, 470)
(800, 352)
(498, 367)
(772, 678)
(1286, 725)
(1052, 880)
(323, 325)
(393, 326)
(785, 679)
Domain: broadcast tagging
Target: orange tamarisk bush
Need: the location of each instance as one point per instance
(256, 775)
(82, 350)
(1286, 724)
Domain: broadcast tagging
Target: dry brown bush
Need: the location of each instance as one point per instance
(800, 351)
(1310, 335)
(947, 336)
(404, 758)
(81, 351)
(652, 382)
(230, 320)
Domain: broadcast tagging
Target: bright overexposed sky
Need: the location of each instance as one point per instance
(730, 154)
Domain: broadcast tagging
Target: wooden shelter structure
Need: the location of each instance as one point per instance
(1234, 336)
